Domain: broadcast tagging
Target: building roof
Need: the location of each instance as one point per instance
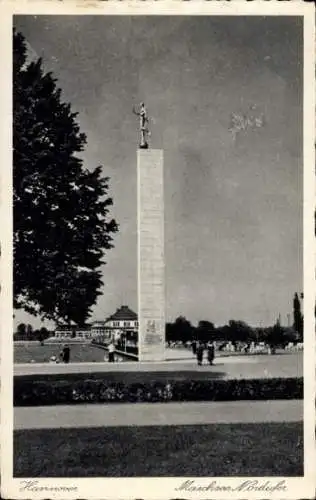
(124, 313)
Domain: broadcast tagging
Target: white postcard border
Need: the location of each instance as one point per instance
(156, 488)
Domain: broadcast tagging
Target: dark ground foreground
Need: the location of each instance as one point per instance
(267, 449)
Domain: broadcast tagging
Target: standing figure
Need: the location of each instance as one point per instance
(66, 354)
(210, 352)
(199, 353)
(61, 356)
(111, 352)
(193, 344)
(143, 125)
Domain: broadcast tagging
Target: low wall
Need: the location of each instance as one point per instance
(128, 355)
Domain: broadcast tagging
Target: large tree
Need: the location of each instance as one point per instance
(183, 329)
(296, 312)
(298, 316)
(21, 329)
(205, 331)
(62, 223)
(240, 331)
(275, 336)
(180, 330)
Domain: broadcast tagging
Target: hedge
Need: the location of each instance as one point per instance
(28, 392)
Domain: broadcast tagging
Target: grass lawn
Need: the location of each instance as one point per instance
(24, 353)
(274, 449)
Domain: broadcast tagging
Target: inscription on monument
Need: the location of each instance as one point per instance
(152, 335)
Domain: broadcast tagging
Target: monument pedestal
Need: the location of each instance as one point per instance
(151, 293)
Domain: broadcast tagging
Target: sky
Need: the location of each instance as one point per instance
(233, 199)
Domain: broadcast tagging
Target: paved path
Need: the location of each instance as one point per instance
(229, 367)
(142, 414)
(174, 365)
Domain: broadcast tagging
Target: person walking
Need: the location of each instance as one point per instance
(199, 353)
(210, 352)
(66, 354)
(111, 352)
(193, 344)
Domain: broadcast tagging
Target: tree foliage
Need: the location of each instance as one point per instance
(236, 331)
(62, 223)
(21, 328)
(274, 336)
(241, 331)
(180, 330)
(298, 316)
(26, 332)
(205, 331)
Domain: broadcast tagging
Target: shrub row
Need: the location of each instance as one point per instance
(63, 391)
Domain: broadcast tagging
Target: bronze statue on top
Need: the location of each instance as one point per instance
(143, 125)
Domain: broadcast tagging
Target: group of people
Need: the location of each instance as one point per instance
(64, 356)
(199, 347)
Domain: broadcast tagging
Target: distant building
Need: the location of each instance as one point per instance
(98, 329)
(64, 331)
(72, 331)
(83, 331)
(123, 318)
(122, 321)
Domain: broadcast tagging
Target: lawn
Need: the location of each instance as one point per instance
(274, 449)
(25, 353)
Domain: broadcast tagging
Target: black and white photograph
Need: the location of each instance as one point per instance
(162, 211)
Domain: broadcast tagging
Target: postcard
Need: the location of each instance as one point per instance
(158, 250)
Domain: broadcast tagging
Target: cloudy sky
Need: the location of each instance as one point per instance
(233, 200)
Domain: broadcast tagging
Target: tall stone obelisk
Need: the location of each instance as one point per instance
(151, 292)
